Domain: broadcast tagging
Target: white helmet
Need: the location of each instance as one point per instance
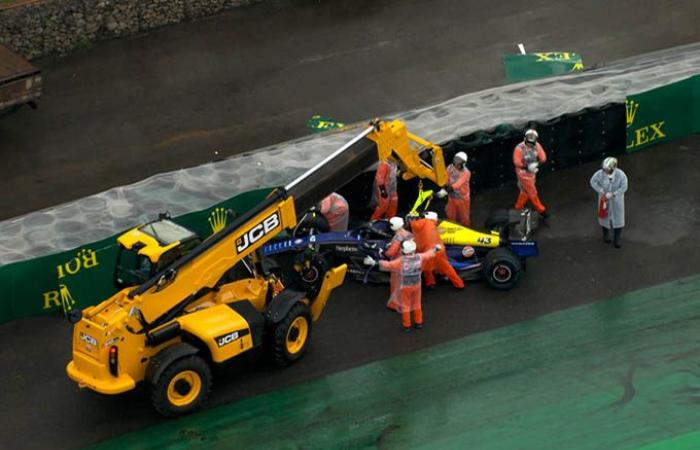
(408, 247)
(462, 156)
(609, 164)
(531, 136)
(396, 223)
(431, 215)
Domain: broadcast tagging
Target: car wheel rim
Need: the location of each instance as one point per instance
(184, 388)
(310, 275)
(297, 334)
(502, 273)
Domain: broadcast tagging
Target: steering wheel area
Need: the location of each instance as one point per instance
(370, 232)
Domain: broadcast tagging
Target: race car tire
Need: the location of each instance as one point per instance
(310, 279)
(499, 220)
(502, 269)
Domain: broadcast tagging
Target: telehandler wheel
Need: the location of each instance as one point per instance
(183, 387)
(291, 335)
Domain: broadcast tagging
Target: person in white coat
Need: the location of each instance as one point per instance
(611, 184)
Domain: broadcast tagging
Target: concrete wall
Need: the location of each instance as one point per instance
(55, 27)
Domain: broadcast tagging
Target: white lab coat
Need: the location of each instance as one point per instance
(617, 184)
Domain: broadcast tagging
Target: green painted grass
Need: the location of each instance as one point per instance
(623, 373)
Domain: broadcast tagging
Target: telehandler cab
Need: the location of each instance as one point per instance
(147, 249)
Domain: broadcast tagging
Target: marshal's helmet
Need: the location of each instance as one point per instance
(531, 136)
(408, 247)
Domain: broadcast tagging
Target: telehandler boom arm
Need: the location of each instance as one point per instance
(394, 141)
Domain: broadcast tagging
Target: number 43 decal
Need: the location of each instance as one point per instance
(483, 240)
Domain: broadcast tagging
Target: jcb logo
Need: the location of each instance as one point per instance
(642, 135)
(226, 339)
(257, 232)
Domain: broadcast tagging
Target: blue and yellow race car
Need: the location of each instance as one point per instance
(499, 255)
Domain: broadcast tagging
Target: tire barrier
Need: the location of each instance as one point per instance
(102, 215)
(569, 140)
(51, 281)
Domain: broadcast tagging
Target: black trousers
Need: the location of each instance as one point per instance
(617, 232)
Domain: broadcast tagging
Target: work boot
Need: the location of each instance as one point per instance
(406, 329)
(606, 235)
(616, 237)
(418, 326)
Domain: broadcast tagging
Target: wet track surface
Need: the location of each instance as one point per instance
(611, 374)
(123, 110)
(574, 268)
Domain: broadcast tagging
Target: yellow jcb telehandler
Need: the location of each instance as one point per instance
(185, 304)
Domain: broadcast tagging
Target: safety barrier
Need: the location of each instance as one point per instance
(83, 276)
(646, 118)
(569, 140)
(183, 191)
(661, 114)
(531, 66)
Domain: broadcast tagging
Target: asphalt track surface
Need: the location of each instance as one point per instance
(123, 110)
(126, 109)
(620, 373)
(43, 409)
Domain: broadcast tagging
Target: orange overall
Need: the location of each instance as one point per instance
(408, 268)
(385, 194)
(392, 252)
(336, 211)
(524, 155)
(458, 198)
(427, 237)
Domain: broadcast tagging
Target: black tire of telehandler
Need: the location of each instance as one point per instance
(502, 269)
(283, 353)
(161, 390)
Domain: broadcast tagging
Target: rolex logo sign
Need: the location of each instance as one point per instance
(62, 298)
(646, 132)
(217, 220)
(631, 108)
